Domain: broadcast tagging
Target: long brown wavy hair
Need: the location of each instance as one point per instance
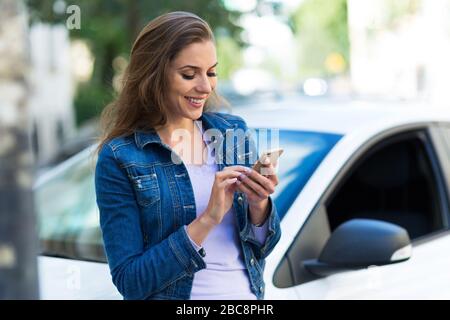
(142, 101)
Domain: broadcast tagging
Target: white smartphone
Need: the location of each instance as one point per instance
(272, 155)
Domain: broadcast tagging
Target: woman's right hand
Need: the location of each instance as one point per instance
(222, 193)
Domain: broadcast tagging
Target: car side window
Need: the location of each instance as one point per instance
(445, 130)
(395, 182)
(446, 136)
(441, 137)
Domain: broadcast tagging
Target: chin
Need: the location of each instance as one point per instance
(195, 115)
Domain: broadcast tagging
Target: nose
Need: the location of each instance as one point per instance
(204, 85)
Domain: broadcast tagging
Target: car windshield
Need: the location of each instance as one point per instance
(68, 215)
(303, 152)
(67, 212)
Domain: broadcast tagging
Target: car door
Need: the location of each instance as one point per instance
(398, 178)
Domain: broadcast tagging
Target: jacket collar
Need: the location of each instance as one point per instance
(143, 138)
(209, 120)
(212, 120)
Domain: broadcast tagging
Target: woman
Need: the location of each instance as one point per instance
(175, 227)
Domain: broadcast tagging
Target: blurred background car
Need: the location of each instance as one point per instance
(363, 200)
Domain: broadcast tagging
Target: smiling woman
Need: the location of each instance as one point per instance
(156, 60)
(192, 79)
(189, 72)
(174, 228)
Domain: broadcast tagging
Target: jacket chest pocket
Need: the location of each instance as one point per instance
(146, 188)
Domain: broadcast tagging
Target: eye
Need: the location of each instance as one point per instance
(212, 74)
(187, 76)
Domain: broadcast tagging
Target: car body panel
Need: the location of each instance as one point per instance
(68, 279)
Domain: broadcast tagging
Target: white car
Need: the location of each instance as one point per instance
(363, 200)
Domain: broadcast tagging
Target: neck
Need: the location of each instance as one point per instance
(165, 132)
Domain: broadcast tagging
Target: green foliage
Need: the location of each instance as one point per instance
(111, 26)
(90, 101)
(321, 29)
(229, 55)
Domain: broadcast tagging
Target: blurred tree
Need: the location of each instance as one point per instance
(322, 32)
(110, 28)
(229, 55)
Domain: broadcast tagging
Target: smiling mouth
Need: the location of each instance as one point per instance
(195, 101)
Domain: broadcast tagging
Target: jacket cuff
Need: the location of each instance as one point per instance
(182, 247)
(259, 233)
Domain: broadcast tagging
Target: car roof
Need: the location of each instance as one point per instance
(340, 117)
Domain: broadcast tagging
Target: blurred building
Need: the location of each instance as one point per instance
(400, 48)
(51, 100)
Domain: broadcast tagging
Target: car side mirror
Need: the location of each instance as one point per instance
(361, 243)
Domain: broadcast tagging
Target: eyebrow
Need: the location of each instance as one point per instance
(195, 67)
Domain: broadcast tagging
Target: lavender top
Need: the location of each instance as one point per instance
(225, 276)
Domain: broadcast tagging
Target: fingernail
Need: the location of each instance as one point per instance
(242, 176)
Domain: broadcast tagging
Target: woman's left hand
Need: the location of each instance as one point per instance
(258, 188)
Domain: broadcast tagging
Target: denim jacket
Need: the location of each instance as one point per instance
(146, 199)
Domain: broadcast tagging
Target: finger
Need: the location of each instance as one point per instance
(227, 182)
(250, 193)
(228, 174)
(225, 173)
(274, 179)
(263, 181)
(256, 187)
(236, 168)
(270, 172)
(233, 187)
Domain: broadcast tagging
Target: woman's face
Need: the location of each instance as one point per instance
(192, 78)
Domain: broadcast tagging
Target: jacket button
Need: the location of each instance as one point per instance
(240, 199)
(261, 289)
(202, 252)
(252, 261)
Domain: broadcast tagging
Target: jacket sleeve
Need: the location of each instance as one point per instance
(136, 272)
(261, 251)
